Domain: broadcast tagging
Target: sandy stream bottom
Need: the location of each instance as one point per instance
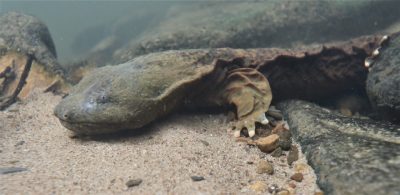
(164, 157)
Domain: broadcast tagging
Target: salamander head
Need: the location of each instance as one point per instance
(103, 102)
(133, 94)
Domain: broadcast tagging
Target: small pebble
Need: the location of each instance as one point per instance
(292, 185)
(19, 143)
(197, 178)
(293, 155)
(273, 188)
(301, 168)
(277, 152)
(73, 135)
(9, 170)
(297, 177)
(265, 167)
(268, 144)
(13, 161)
(277, 114)
(258, 186)
(272, 121)
(204, 142)
(13, 110)
(250, 162)
(133, 182)
(292, 190)
(283, 192)
(285, 136)
(319, 193)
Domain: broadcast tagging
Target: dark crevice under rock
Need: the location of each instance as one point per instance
(350, 156)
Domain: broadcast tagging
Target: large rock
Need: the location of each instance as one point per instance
(383, 82)
(350, 156)
(262, 24)
(243, 25)
(25, 39)
(27, 34)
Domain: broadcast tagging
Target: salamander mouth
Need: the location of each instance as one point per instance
(88, 128)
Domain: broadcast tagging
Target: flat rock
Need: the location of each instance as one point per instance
(350, 156)
(269, 143)
(384, 77)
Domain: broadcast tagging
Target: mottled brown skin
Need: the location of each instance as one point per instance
(133, 94)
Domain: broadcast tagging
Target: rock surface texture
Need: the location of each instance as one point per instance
(383, 83)
(350, 156)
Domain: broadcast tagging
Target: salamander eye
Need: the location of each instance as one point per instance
(102, 99)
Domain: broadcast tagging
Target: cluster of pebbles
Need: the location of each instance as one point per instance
(275, 139)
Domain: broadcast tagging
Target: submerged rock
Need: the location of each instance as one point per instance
(133, 182)
(269, 143)
(383, 80)
(285, 137)
(258, 186)
(244, 25)
(261, 24)
(27, 58)
(197, 178)
(350, 156)
(28, 35)
(293, 155)
(297, 177)
(277, 152)
(265, 167)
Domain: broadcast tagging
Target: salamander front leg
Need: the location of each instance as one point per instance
(250, 92)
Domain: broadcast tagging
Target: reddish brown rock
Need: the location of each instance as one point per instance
(297, 177)
(268, 144)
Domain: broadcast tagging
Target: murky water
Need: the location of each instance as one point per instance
(78, 26)
(67, 20)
